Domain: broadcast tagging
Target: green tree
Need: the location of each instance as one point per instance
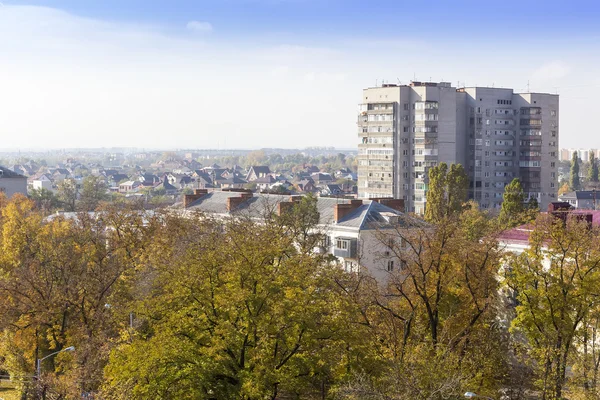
(574, 182)
(457, 188)
(555, 282)
(533, 204)
(447, 191)
(67, 193)
(44, 199)
(94, 191)
(593, 168)
(513, 203)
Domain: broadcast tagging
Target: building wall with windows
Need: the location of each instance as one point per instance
(497, 135)
(12, 183)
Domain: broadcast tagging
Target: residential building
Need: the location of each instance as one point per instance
(257, 171)
(582, 154)
(12, 183)
(353, 228)
(42, 182)
(582, 199)
(496, 134)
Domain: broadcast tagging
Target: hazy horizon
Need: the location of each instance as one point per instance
(251, 74)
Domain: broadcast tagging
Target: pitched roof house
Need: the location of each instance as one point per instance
(257, 171)
(350, 226)
(12, 183)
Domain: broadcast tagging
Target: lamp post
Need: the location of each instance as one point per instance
(39, 360)
(471, 395)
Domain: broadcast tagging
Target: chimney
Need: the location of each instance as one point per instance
(188, 199)
(559, 206)
(396, 204)
(284, 206)
(235, 202)
(341, 210)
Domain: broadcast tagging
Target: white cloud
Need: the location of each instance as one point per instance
(197, 26)
(69, 81)
(550, 71)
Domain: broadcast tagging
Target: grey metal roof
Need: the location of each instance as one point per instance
(7, 173)
(369, 215)
(581, 195)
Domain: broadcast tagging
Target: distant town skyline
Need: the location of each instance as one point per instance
(249, 74)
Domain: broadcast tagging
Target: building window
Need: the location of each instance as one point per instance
(552, 164)
(553, 113)
(390, 266)
(341, 244)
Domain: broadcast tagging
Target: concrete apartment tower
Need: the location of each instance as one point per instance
(495, 134)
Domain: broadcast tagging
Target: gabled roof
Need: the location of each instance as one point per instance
(166, 185)
(260, 169)
(321, 176)
(6, 173)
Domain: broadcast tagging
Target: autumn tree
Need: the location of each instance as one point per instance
(437, 314)
(234, 309)
(56, 278)
(555, 282)
(447, 191)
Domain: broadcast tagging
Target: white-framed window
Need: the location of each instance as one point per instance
(341, 244)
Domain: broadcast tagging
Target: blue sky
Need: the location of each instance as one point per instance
(310, 19)
(271, 73)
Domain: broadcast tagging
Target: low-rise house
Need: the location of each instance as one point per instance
(148, 180)
(351, 227)
(42, 181)
(257, 171)
(12, 183)
(264, 182)
(167, 187)
(331, 190)
(321, 178)
(231, 183)
(130, 186)
(116, 178)
(306, 186)
(516, 240)
(582, 199)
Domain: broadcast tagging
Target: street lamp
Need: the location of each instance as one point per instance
(39, 360)
(471, 395)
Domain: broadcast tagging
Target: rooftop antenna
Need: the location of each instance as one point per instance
(527, 86)
(414, 76)
(376, 82)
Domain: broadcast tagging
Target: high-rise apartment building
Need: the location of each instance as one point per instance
(495, 134)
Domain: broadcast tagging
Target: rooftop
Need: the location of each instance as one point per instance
(369, 215)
